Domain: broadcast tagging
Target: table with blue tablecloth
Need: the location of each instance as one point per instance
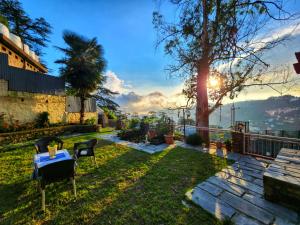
(43, 159)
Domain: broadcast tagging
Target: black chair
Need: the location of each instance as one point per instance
(42, 144)
(86, 148)
(55, 172)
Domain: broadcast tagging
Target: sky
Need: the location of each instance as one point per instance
(135, 68)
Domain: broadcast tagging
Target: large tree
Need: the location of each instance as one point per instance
(33, 32)
(83, 66)
(221, 39)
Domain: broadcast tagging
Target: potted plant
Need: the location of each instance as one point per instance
(52, 149)
(228, 145)
(169, 134)
(169, 139)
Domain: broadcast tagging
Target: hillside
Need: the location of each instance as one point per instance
(276, 113)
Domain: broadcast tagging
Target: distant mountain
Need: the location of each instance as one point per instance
(274, 113)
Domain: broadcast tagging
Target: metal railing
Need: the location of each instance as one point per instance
(267, 145)
(247, 143)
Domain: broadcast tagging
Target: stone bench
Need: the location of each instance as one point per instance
(282, 179)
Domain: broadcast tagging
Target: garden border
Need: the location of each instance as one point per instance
(21, 136)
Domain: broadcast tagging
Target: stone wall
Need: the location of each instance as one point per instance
(25, 107)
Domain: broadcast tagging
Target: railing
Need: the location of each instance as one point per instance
(267, 145)
(247, 143)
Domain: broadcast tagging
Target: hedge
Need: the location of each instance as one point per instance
(21, 136)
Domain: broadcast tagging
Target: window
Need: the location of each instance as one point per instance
(4, 49)
(9, 52)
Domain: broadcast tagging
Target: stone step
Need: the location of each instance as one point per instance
(275, 209)
(247, 208)
(234, 189)
(210, 188)
(238, 173)
(253, 161)
(211, 204)
(247, 172)
(243, 167)
(242, 183)
(240, 219)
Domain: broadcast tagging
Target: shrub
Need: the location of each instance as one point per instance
(194, 139)
(42, 120)
(90, 121)
(133, 135)
(133, 123)
(110, 114)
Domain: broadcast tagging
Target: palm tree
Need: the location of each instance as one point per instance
(83, 66)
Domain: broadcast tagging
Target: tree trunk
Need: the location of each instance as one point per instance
(202, 112)
(82, 110)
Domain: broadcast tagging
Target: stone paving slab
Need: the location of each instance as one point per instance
(240, 187)
(210, 203)
(148, 148)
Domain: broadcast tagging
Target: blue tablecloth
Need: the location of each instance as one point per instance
(44, 159)
(47, 158)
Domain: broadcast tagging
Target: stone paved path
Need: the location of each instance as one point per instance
(151, 149)
(236, 192)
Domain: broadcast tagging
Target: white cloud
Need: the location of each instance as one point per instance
(114, 83)
(154, 101)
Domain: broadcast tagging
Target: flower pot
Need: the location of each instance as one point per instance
(52, 151)
(169, 139)
(219, 145)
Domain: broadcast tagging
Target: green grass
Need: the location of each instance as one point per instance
(128, 187)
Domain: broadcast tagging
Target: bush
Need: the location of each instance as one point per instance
(90, 121)
(42, 120)
(110, 114)
(133, 135)
(133, 123)
(194, 139)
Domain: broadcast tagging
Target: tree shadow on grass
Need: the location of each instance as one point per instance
(156, 198)
(128, 187)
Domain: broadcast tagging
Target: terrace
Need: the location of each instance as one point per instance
(138, 183)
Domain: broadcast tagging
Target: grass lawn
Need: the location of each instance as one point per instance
(128, 187)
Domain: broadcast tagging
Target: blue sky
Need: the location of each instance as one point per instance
(124, 28)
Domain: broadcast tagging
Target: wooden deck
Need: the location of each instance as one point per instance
(237, 192)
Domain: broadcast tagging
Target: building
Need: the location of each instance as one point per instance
(27, 90)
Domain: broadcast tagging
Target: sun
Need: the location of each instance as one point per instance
(213, 82)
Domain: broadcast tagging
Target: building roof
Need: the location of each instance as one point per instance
(10, 44)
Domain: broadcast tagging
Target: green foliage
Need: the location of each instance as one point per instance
(4, 21)
(133, 135)
(33, 32)
(178, 136)
(133, 123)
(90, 121)
(52, 143)
(42, 120)
(109, 113)
(129, 187)
(228, 142)
(82, 66)
(194, 139)
(164, 125)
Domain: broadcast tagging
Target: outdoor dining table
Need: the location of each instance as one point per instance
(43, 159)
(48, 170)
